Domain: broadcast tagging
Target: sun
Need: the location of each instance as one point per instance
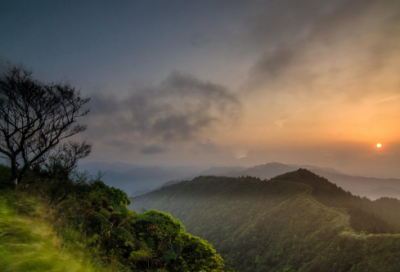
(378, 145)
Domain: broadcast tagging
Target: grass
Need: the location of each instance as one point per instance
(28, 243)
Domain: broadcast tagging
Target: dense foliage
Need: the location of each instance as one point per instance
(379, 216)
(96, 217)
(295, 222)
(28, 243)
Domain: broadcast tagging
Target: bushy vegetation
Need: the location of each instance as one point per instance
(28, 243)
(295, 222)
(93, 219)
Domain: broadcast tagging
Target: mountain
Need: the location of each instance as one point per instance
(94, 167)
(362, 185)
(313, 167)
(267, 171)
(297, 221)
(221, 171)
(358, 185)
(384, 191)
(134, 179)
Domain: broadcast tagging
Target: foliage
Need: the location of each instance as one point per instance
(94, 218)
(362, 210)
(295, 222)
(29, 244)
(5, 178)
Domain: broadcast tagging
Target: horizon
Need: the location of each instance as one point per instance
(226, 83)
(206, 167)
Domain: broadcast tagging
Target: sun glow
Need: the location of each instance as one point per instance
(378, 145)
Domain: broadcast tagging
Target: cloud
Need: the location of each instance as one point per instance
(273, 64)
(240, 153)
(208, 146)
(152, 149)
(280, 123)
(387, 99)
(103, 104)
(178, 109)
(351, 42)
(121, 145)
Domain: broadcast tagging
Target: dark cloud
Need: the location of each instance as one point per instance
(277, 22)
(297, 34)
(178, 109)
(274, 63)
(152, 149)
(103, 104)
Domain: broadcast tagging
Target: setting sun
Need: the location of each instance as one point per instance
(379, 145)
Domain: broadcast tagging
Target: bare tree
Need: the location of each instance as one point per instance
(34, 118)
(57, 168)
(64, 159)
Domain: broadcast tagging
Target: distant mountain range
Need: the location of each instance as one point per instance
(370, 187)
(136, 180)
(297, 221)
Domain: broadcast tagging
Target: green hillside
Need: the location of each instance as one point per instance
(295, 222)
(84, 225)
(28, 243)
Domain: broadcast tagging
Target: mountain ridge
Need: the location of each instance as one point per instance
(293, 222)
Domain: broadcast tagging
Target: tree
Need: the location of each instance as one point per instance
(56, 169)
(63, 160)
(35, 117)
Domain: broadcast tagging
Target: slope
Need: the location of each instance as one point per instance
(276, 225)
(29, 244)
(358, 185)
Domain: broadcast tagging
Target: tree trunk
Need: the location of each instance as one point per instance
(14, 172)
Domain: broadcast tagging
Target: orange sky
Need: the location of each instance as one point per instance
(224, 82)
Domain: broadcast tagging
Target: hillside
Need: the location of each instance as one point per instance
(357, 185)
(136, 180)
(28, 243)
(295, 222)
(84, 225)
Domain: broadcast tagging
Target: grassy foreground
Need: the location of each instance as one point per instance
(27, 243)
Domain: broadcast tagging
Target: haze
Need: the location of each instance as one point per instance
(223, 82)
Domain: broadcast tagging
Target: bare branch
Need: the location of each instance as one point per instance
(35, 117)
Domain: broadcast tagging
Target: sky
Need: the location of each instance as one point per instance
(223, 82)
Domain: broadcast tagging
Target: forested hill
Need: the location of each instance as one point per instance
(373, 188)
(294, 222)
(84, 225)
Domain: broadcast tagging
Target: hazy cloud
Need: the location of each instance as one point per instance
(121, 145)
(208, 146)
(152, 149)
(178, 109)
(103, 104)
(348, 40)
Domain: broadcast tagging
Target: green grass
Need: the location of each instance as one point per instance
(28, 243)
